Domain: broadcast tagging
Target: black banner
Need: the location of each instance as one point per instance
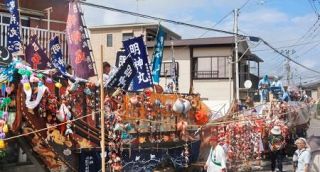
(123, 77)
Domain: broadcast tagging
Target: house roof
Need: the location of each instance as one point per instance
(253, 57)
(128, 25)
(313, 85)
(198, 41)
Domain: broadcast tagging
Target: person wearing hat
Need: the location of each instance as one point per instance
(276, 144)
(217, 160)
(302, 156)
(264, 86)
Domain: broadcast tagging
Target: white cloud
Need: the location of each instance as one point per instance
(261, 20)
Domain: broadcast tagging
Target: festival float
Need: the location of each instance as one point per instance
(146, 128)
(59, 114)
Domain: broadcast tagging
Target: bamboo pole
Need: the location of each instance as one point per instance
(103, 166)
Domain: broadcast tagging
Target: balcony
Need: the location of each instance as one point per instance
(44, 37)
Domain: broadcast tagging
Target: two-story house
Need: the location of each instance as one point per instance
(110, 37)
(206, 65)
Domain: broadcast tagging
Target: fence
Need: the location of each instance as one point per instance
(44, 37)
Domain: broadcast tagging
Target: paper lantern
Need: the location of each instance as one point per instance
(181, 106)
(87, 91)
(134, 100)
(48, 80)
(40, 75)
(201, 117)
(24, 79)
(9, 90)
(73, 87)
(148, 92)
(5, 128)
(34, 79)
(2, 144)
(40, 84)
(27, 86)
(2, 135)
(5, 115)
(58, 85)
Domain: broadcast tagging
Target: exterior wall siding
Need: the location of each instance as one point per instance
(214, 89)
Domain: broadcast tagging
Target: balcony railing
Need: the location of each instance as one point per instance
(44, 37)
(206, 74)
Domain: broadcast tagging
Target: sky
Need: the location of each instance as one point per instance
(286, 24)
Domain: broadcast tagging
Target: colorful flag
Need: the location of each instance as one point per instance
(124, 75)
(35, 55)
(78, 43)
(157, 56)
(136, 49)
(14, 39)
(56, 56)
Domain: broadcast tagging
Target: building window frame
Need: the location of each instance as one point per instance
(219, 67)
(127, 35)
(166, 67)
(109, 40)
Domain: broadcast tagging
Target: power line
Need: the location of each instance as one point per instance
(221, 20)
(293, 45)
(157, 18)
(287, 57)
(244, 5)
(195, 26)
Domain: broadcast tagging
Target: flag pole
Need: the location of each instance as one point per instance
(103, 167)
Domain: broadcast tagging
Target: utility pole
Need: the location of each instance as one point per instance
(235, 30)
(287, 67)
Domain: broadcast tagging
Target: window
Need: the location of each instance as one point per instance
(166, 69)
(109, 40)
(210, 67)
(126, 36)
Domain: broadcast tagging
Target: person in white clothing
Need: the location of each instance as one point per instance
(302, 156)
(216, 161)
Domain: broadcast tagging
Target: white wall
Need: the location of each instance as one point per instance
(214, 89)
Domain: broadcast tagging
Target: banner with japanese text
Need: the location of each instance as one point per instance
(36, 56)
(157, 56)
(56, 56)
(135, 49)
(14, 38)
(78, 43)
(120, 58)
(124, 75)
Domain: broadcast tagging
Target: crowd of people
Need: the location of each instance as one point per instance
(217, 160)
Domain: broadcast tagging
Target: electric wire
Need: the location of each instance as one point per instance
(194, 26)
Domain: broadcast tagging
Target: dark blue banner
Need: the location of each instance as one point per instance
(90, 161)
(135, 47)
(124, 75)
(144, 159)
(56, 55)
(14, 39)
(157, 56)
(121, 57)
(35, 55)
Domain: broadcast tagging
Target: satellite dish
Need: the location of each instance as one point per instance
(247, 84)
